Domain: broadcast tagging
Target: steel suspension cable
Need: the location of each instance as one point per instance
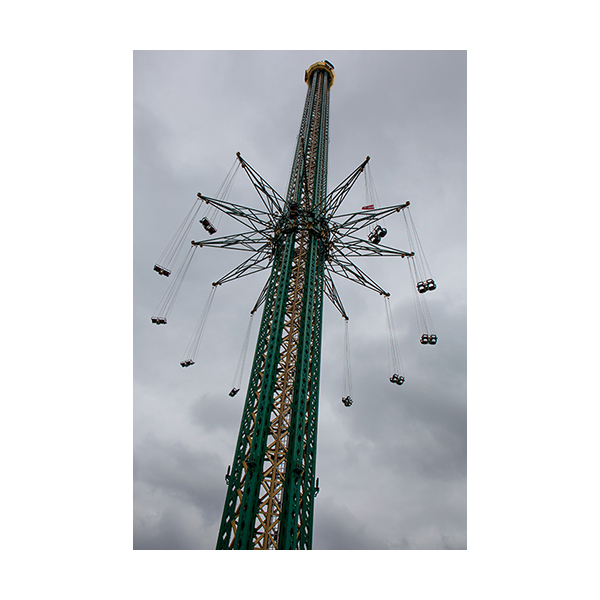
(212, 216)
(371, 190)
(408, 232)
(237, 379)
(419, 272)
(428, 319)
(168, 300)
(391, 350)
(225, 189)
(192, 348)
(168, 258)
(261, 297)
(347, 366)
(395, 359)
(426, 269)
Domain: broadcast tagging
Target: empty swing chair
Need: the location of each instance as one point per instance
(397, 379)
(161, 270)
(208, 225)
(426, 286)
(377, 233)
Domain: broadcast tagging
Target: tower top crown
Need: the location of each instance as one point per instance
(325, 65)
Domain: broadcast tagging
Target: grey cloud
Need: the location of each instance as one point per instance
(393, 466)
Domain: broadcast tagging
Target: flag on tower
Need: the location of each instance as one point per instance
(370, 207)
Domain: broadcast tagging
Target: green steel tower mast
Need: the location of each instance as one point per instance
(271, 482)
(271, 488)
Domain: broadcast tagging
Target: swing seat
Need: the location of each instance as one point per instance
(377, 233)
(373, 237)
(431, 284)
(159, 320)
(347, 401)
(233, 392)
(424, 339)
(421, 287)
(433, 339)
(187, 363)
(161, 270)
(397, 379)
(208, 225)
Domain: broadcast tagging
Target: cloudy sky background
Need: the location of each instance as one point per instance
(392, 468)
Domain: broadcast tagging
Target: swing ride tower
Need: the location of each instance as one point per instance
(300, 238)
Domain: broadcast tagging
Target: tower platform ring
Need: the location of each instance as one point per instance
(325, 65)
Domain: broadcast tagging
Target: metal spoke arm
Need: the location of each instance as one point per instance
(261, 298)
(343, 267)
(251, 217)
(270, 197)
(332, 293)
(259, 262)
(350, 245)
(336, 197)
(253, 241)
(358, 220)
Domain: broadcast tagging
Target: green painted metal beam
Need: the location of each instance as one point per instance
(302, 213)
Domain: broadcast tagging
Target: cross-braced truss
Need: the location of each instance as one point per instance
(339, 233)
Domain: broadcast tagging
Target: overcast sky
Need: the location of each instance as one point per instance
(393, 467)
